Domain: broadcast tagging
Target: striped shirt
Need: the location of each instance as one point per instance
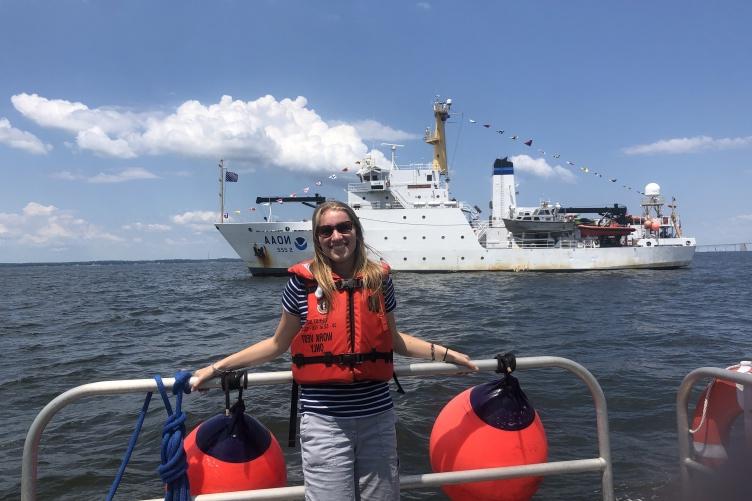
(358, 399)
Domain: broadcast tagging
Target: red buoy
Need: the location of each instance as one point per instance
(489, 425)
(233, 453)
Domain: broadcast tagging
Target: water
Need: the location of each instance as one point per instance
(639, 332)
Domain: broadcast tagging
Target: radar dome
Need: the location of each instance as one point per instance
(652, 189)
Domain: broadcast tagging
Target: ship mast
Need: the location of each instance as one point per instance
(437, 138)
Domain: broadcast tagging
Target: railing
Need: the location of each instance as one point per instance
(686, 461)
(29, 468)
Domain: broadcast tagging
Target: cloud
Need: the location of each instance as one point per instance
(540, 168)
(130, 174)
(42, 225)
(745, 217)
(285, 134)
(147, 227)
(371, 129)
(198, 221)
(75, 117)
(689, 145)
(96, 140)
(423, 5)
(22, 140)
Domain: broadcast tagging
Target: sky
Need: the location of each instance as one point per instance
(115, 115)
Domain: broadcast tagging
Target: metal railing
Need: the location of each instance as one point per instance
(602, 463)
(686, 461)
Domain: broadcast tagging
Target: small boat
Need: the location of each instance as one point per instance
(546, 218)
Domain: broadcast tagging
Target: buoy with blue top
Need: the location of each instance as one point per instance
(489, 425)
(233, 451)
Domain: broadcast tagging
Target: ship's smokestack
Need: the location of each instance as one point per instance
(504, 199)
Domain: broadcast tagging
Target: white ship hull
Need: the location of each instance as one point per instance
(441, 240)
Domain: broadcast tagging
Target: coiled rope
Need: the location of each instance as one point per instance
(174, 466)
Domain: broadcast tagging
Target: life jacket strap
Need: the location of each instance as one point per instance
(293, 425)
(348, 359)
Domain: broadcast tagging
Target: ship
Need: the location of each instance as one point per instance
(411, 221)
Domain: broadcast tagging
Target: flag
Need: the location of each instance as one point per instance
(529, 142)
(231, 177)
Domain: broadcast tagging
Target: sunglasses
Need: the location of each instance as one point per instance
(327, 230)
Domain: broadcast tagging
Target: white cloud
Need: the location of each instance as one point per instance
(96, 140)
(744, 217)
(198, 221)
(74, 117)
(424, 5)
(35, 209)
(147, 227)
(129, 174)
(689, 145)
(540, 168)
(22, 140)
(286, 133)
(371, 129)
(41, 225)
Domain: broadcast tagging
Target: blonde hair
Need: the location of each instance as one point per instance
(370, 272)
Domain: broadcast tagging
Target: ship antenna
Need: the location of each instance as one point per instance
(393, 147)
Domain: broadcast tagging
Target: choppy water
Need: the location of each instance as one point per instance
(639, 332)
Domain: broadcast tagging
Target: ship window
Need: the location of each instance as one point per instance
(404, 217)
(423, 216)
(356, 206)
(429, 177)
(386, 238)
(463, 258)
(443, 237)
(482, 258)
(366, 178)
(287, 228)
(424, 237)
(418, 196)
(424, 259)
(404, 259)
(536, 218)
(404, 238)
(443, 258)
(462, 236)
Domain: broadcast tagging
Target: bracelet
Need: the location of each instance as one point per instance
(216, 371)
(445, 355)
(433, 352)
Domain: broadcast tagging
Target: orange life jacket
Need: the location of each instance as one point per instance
(349, 341)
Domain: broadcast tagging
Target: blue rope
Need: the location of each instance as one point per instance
(131, 446)
(174, 467)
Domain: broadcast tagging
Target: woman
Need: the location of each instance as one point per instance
(338, 322)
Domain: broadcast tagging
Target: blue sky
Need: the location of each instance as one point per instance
(114, 115)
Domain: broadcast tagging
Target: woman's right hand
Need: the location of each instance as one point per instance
(201, 375)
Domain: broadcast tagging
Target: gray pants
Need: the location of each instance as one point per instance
(349, 459)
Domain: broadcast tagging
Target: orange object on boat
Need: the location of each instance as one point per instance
(717, 408)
